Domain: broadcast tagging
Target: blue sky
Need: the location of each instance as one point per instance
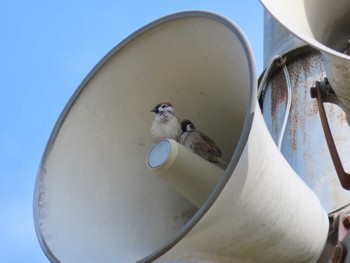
(46, 50)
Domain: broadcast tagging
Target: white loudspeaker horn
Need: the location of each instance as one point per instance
(96, 199)
(325, 25)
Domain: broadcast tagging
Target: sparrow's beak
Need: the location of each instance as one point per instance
(154, 110)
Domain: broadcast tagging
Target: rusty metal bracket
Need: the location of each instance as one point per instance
(339, 252)
(324, 93)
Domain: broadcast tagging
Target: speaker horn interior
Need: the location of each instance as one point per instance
(97, 201)
(324, 25)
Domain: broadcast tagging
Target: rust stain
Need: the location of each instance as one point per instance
(331, 111)
(278, 96)
(341, 116)
(313, 111)
(298, 79)
(303, 71)
(337, 113)
(302, 76)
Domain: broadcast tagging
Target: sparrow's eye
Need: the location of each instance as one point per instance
(163, 106)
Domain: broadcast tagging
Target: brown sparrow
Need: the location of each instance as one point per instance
(201, 144)
(165, 125)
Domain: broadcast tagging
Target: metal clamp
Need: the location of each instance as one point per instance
(279, 62)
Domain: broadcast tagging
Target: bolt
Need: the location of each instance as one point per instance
(313, 92)
(346, 222)
(282, 62)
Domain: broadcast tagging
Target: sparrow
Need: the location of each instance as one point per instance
(165, 125)
(201, 144)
